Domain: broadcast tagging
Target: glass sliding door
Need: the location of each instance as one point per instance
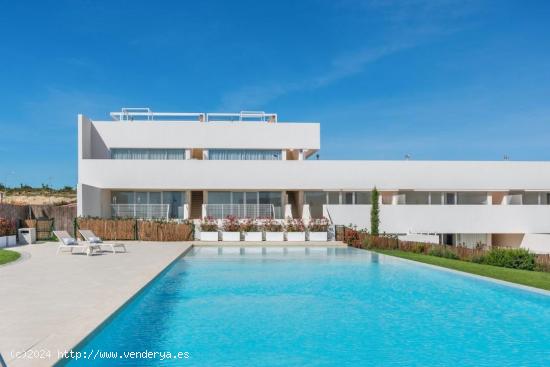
(315, 200)
(175, 200)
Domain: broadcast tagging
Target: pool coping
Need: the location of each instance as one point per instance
(523, 287)
(62, 362)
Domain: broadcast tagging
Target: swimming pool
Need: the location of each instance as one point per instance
(324, 307)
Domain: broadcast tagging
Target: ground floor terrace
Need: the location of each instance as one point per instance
(504, 218)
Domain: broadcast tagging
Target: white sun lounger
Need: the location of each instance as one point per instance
(68, 242)
(90, 237)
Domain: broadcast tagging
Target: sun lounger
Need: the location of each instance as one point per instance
(90, 237)
(68, 242)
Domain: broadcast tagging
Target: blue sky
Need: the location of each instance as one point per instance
(433, 79)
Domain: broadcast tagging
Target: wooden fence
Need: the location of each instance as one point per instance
(364, 240)
(131, 229)
(56, 217)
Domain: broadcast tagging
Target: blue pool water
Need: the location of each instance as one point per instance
(325, 307)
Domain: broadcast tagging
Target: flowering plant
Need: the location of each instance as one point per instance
(7, 227)
(209, 224)
(319, 225)
(272, 225)
(231, 224)
(295, 225)
(250, 225)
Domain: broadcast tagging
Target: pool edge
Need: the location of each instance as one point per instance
(523, 287)
(62, 362)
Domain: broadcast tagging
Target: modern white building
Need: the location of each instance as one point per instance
(249, 164)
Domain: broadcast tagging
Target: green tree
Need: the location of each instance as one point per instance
(374, 213)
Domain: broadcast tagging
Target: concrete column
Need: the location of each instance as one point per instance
(301, 155)
(187, 153)
(283, 155)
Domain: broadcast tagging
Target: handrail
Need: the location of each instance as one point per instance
(254, 211)
(146, 114)
(144, 211)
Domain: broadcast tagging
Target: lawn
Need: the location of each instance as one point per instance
(7, 256)
(535, 279)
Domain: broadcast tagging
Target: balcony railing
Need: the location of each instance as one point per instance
(220, 211)
(141, 211)
(146, 114)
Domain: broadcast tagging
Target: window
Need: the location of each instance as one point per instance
(347, 198)
(333, 197)
(472, 198)
(435, 198)
(144, 204)
(416, 198)
(244, 154)
(450, 198)
(148, 154)
(122, 197)
(219, 197)
(315, 200)
(363, 197)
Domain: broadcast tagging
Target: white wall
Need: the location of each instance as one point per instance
(448, 218)
(93, 201)
(251, 135)
(316, 175)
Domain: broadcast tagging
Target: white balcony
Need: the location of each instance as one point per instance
(447, 218)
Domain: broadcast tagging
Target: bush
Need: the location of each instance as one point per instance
(419, 248)
(516, 258)
(250, 225)
(440, 252)
(295, 225)
(7, 227)
(209, 224)
(272, 225)
(319, 225)
(231, 224)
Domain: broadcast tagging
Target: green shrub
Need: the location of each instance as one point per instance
(419, 248)
(516, 258)
(439, 252)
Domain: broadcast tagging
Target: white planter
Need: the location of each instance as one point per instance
(209, 236)
(275, 236)
(3, 241)
(252, 236)
(296, 236)
(318, 236)
(12, 240)
(231, 236)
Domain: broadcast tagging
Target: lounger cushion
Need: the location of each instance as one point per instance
(68, 241)
(95, 240)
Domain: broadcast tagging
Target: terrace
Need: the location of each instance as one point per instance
(146, 114)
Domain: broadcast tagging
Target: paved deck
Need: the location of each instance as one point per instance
(50, 302)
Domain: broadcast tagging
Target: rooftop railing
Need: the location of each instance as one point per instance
(146, 114)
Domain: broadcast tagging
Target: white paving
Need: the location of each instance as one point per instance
(51, 302)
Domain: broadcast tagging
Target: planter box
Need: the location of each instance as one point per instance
(3, 241)
(318, 236)
(252, 236)
(12, 240)
(275, 236)
(296, 236)
(209, 236)
(231, 236)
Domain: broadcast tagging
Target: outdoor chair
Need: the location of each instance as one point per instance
(90, 237)
(68, 242)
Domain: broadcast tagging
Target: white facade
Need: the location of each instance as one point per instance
(185, 164)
